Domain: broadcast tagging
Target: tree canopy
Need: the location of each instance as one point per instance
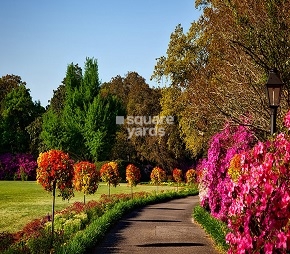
(221, 65)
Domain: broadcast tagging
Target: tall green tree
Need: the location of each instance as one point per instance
(7, 84)
(79, 120)
(100, 126)
(19, 111)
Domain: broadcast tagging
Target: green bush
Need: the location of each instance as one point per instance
(215, 228)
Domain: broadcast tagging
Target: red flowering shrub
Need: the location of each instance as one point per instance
(86, 177)
(56, 168)
(133, 175)
(157, 175)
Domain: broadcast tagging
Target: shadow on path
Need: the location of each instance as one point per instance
(159, 228)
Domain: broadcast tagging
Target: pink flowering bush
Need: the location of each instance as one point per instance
(213, 179)
(17, 166)
(249, 188)
(259, 215)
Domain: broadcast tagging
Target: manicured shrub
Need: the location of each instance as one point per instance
(55, 170)
(133, 176)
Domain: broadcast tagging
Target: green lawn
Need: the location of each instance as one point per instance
(21, 202)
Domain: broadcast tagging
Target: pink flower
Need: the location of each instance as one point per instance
(287, 120)
(268, 248)
(282, 240)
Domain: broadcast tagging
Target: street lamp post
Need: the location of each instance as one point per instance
(273, 90)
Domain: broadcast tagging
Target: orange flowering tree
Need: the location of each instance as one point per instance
(157, 176)
(86, 178)
(133, 176)
(190, 176)
(110, 174)
(55, 170)
(177, 176)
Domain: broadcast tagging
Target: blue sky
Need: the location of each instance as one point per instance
(40, 38)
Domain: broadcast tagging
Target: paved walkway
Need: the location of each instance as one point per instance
(159, 228)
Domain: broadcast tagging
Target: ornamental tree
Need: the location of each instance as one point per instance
(190, 176)
(55, 170)
(86, 178)
(177, 176)
(110, 174)
(157, 176)
(133, 176)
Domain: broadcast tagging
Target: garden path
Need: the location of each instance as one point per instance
(160, 228)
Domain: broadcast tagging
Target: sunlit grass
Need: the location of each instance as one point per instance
(21, 202)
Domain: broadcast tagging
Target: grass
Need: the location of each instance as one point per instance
(21, 202)
(215, 228)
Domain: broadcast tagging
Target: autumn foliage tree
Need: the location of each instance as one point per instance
(222, 69)
(177, 176)
(133, 176)
(110, 174)
(55, 170)
(157, 176)
(86, 178)
(190, 176)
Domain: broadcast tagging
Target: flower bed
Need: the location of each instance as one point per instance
(80, 226)
(249, 189)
